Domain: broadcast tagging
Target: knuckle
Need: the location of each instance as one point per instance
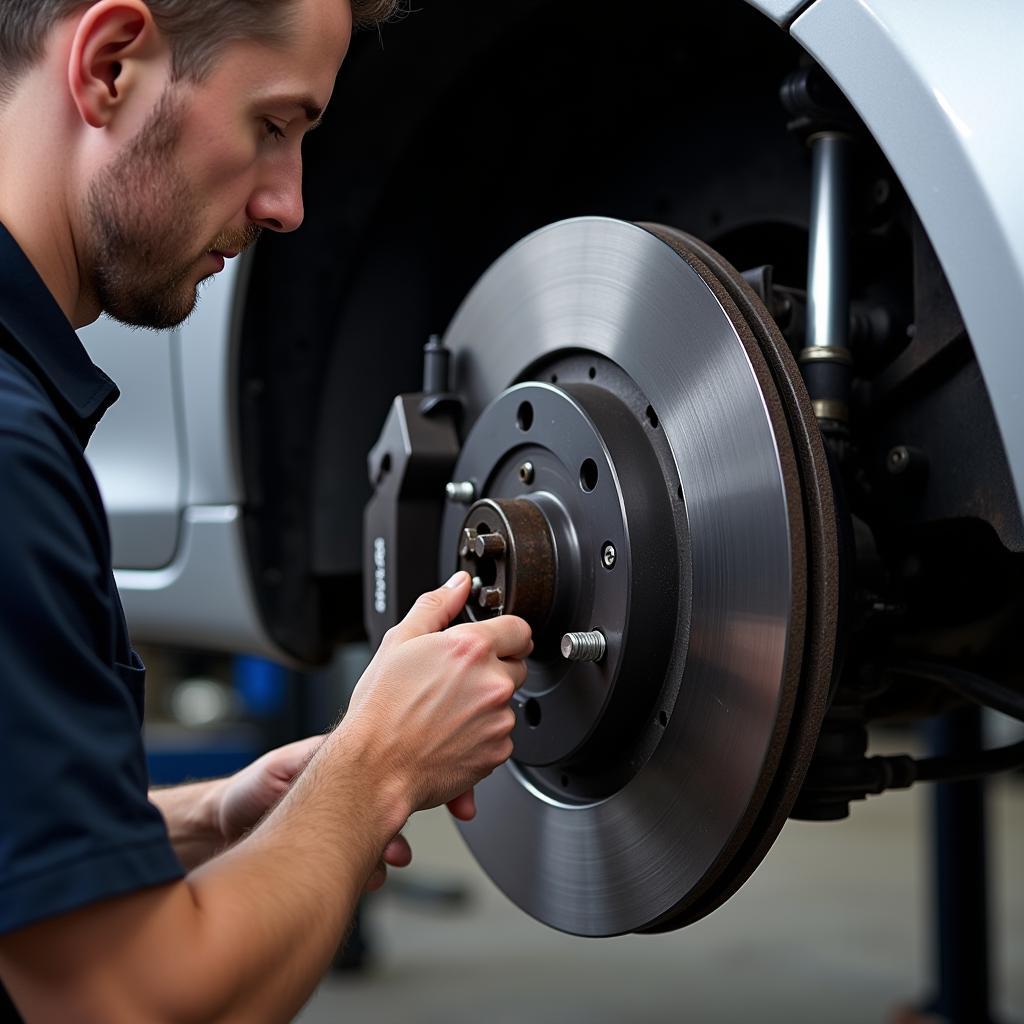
(430, 600)
(468, 645)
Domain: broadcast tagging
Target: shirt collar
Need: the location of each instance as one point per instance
(48, 344)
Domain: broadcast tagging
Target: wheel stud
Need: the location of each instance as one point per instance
(488, 545)
(461, 491)
(584, 646)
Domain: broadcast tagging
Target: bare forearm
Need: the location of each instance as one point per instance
(191, 817)
(251, 931)
(281, 900)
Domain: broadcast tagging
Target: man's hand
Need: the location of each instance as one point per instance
(433, 706)
(243, 798)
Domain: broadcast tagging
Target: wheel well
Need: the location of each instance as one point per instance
(465, 131)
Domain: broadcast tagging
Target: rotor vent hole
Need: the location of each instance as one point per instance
(592, 372)
(554, 378)
(531, 711)
(588, 475)
(524, 416)
(565, 782)
(663, 718)
(652, 417)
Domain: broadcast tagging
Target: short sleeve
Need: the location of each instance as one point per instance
(76, 823)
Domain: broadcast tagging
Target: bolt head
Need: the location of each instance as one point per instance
(609, 556)
(467, 543)
(526, 472)
(491, 597)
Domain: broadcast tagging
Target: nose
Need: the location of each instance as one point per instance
(277, 204)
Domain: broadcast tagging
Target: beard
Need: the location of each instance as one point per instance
(144, 220)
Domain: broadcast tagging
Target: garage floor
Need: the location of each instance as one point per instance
(832, 927)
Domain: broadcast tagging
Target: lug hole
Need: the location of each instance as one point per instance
(531, 710)
(592, 372)
(588, 475)
(524, 416)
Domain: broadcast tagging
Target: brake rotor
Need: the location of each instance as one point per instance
(649, 473)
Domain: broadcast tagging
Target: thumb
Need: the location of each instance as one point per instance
(435, 609)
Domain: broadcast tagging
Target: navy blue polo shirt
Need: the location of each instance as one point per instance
(76, 824)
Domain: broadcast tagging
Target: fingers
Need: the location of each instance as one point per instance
(518, 671)
(398, 853)
(286, 762)
(435, 609)
(509, 636)
(463, 807)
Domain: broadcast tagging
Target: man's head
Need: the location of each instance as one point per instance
(179, 126)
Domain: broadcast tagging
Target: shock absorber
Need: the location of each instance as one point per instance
(825, 360)
(822, 117)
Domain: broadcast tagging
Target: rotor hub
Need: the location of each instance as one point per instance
(539, 547)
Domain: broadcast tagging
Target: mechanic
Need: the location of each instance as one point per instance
(142, 145)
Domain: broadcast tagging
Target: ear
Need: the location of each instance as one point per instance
(116, 42)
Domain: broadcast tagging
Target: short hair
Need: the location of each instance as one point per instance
(197, 30)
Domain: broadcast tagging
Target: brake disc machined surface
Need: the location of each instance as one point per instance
(645, 469)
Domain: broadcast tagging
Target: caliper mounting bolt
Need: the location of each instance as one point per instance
(584, 646)
(608, 557)
(461, 491)
(491, 597)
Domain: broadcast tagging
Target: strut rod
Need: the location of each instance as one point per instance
(826, 359)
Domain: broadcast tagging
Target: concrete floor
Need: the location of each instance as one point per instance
(831, 928)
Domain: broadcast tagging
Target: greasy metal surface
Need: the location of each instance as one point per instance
(616, 865)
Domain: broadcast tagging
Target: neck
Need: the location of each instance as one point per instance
(34, 204)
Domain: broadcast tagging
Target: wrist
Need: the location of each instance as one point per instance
(387, 792)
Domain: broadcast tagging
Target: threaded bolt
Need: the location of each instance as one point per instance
(467, 542)
(489, 545)
(584, 646)
(461, 491)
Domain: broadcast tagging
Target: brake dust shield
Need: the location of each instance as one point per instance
(634, 415)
